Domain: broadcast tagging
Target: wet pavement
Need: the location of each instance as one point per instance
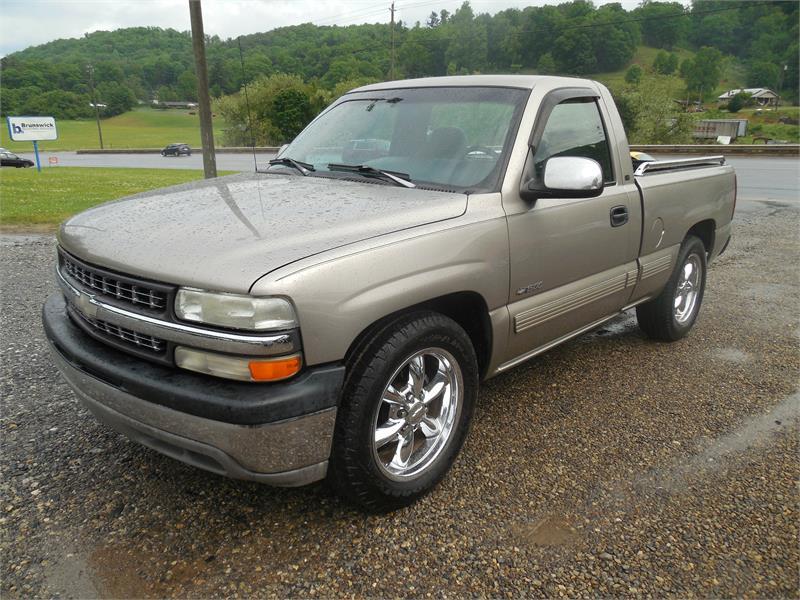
(612, 465)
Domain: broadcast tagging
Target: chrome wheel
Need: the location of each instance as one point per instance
(417, 413)
(687, 290)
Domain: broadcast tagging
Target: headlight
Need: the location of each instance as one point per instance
(234, 310)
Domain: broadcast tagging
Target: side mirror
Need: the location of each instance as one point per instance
(566, 177)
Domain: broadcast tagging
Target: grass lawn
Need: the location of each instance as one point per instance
(766, 123)
(43, 200)
(139, 128)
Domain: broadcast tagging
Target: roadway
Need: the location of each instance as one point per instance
(225, 161)
(762, 177)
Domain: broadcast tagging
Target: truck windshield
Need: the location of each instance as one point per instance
(454, 138)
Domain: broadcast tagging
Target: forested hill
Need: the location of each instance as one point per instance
(143, 63)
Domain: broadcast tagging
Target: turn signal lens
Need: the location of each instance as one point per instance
(275, 370)
(243, 368)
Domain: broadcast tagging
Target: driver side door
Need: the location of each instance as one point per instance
(573, 260)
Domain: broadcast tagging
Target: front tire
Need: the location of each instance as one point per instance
(670, 315)
(407, 404)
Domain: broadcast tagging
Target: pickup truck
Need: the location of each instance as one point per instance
(332, 314)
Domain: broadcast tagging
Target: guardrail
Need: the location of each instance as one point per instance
(738, 149)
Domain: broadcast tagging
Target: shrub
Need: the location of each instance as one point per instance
(738, 102)
(634, 74)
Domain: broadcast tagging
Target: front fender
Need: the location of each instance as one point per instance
(339, 294)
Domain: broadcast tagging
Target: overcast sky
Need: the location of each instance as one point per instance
(31, 22)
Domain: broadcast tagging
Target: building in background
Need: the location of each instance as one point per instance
(760, 96)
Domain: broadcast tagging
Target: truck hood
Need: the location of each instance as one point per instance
(225, 233)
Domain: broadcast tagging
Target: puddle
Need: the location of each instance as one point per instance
(733, 355)
(766, 291)
(550, 531)
(620, 325)
(69, 574)
(756, 431)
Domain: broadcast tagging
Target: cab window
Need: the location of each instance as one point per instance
(575, 128)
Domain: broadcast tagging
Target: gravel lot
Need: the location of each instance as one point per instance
(610, 466)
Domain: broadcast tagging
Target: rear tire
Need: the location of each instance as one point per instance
(670, 315)
(407, 404)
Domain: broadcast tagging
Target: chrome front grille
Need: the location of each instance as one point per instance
(107, 284)
(134, 338)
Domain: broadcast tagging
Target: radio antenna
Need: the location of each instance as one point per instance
(247, 104)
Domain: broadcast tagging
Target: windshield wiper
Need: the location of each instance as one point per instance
(402, 179)
(304, 167)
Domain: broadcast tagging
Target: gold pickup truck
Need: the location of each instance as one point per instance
(332, 314)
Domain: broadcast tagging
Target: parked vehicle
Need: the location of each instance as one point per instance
(177, 149)
(9, 159)
(327, 318)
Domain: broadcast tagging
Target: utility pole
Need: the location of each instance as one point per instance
(90, 68)
(780, 86)
(203, 96)
(391, 69)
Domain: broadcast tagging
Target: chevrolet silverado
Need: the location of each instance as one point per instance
(332, 314)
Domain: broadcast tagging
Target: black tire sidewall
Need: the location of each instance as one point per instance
(691, 245)
(361, 400)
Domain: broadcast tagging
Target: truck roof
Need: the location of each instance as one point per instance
(515, 81)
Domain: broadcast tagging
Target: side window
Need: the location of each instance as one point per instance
(574, 128)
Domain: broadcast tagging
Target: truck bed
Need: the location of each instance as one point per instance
(694, 190)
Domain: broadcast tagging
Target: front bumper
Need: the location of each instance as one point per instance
(278, 433)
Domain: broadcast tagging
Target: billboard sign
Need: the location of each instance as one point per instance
(31, 129)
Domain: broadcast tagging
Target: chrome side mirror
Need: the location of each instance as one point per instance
(567, 177)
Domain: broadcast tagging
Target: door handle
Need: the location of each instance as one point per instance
(619, 216)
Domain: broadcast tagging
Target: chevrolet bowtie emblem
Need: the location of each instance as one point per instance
(85, 304)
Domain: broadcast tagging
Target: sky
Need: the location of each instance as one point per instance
(26, 23)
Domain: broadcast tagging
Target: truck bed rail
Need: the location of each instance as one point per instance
(678, 163)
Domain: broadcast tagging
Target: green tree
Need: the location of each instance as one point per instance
(761, 73)
(187, 86)
(291, 112)
(665, 63)
(703, 71)
(281, 105)
(627, 111)
(58, 104)
(661, 27)
(546, 64)
(656, 118)
(738, 102)
(614, 40)
(118, 99)
(574, 54)
(416, 55)
(718, 30)
(467, 48)
(633, 75)
(166, 93)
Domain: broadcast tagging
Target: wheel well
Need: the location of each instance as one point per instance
(705, 231)
(468, 309)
